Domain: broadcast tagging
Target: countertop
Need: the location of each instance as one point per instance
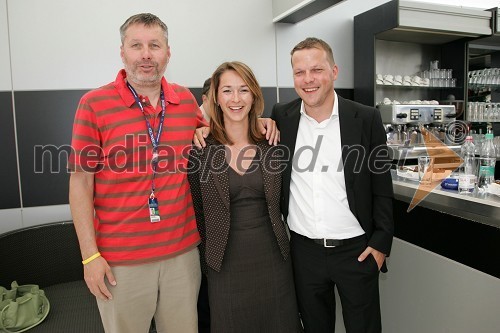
(482, 208)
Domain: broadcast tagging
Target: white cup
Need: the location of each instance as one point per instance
(406, 80)
(416, 80)
(388, 79)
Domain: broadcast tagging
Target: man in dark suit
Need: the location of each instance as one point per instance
(337, 195)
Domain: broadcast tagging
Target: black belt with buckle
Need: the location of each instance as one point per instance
(332, 242)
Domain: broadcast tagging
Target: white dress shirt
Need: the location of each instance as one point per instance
(318, 201)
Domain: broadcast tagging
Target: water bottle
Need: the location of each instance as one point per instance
(467, 171)
(486, 174)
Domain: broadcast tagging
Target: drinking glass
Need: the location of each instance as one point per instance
(425, 169)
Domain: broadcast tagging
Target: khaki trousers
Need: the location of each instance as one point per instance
(167, 290)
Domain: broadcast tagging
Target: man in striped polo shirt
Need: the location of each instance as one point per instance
(129, 194)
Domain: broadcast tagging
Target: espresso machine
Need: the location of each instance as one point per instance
(415, 129)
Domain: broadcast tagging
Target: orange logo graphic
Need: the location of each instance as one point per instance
(444, 160)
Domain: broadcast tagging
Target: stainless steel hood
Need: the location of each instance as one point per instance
(437, 24)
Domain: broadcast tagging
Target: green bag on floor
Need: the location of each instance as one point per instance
(22, 307)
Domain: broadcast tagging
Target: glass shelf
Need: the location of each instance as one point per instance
(415, 87)
(484, 87)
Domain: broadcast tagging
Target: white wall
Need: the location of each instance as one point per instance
(58, 44)
(281, 7)
(335, 26)
(5, 83)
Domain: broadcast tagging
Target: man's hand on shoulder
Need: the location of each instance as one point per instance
(268, 127)
(200, 134)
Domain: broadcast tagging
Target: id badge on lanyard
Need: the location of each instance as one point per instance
(154, 210)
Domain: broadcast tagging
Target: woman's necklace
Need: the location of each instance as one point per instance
(240, 152)
(242, 148)
(240, 159)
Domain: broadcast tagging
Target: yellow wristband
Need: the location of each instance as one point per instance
(89, 259)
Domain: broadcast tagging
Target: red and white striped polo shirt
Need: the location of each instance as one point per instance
(110, 140)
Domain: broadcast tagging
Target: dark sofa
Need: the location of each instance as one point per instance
(48, 255)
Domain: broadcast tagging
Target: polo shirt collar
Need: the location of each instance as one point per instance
(171, 97)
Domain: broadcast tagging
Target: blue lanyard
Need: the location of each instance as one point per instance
(154, 141)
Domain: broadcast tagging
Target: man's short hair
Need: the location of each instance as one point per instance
(315, 43)
(148, 19)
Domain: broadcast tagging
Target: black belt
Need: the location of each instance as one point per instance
(332, 242)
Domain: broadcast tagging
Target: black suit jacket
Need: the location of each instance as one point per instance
(368, 179)
(209, 182)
